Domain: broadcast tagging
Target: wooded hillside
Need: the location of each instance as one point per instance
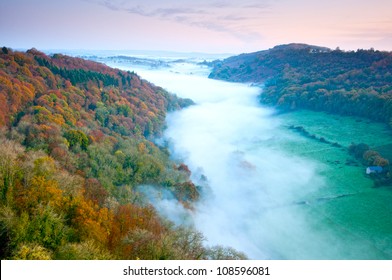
(75, 142)
(303, 76)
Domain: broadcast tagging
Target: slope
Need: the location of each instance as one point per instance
(75, 143)
(303, 76)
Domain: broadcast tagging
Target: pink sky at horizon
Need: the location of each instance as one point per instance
(219, 26)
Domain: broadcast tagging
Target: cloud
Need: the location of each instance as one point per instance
(243, 35)
(166, 13)
(228, 17)
(233, 17)
(260, 6)
(110, 5)
(221, 4)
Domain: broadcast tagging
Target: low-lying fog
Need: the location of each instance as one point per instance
(254, 199)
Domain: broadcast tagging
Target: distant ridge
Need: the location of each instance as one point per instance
(245, 67)
(299, 46)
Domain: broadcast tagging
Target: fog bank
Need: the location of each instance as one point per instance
(256, 195)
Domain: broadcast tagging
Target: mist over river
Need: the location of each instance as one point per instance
(266, 190)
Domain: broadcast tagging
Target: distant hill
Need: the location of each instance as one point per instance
(259, 66)
(304, 76)
(74, 145)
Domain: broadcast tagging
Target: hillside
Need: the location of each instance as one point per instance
(303, 76)
(75, 142)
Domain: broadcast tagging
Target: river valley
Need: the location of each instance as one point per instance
(268, 190)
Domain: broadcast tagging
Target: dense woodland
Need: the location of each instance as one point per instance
(75, 142)
(302, 76)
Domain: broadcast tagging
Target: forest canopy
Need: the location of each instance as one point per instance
(75, 142)
(293, 76)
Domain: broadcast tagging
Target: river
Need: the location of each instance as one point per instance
(267, 190)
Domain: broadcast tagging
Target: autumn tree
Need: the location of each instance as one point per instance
(77, 138)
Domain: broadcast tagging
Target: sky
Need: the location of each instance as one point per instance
(216, 26)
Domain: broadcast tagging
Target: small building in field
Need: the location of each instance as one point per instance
(374, 169)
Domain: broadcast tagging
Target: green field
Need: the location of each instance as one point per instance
(348, 207)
